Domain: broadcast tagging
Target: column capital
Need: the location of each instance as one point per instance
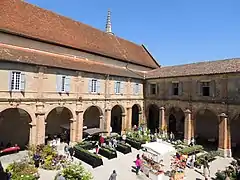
(129, 107)
(162, 108)
(187, 111)
(223, 115)
(39, 113)
(107, 109)
(123, 114)
(72, 120)
(79, 111)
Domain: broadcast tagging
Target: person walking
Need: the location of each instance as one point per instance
(71, 152)
(206, 171)
(8, 174)
(171, 137)
(113, 176)
(138, 164)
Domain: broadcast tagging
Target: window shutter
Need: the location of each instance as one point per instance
(23, 80)
(59, 82)
(122, 87)
(10, 81)
(90, 85)
(67, 84)
(180, 88)
(115, 87)
(213, 88)
(139, 88)
(170, 89)
(98, 86)
(199, 88)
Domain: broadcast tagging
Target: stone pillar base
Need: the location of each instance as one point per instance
(187, 141)
(225, 152)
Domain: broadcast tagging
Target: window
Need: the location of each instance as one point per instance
(153, 89)
(94, 86)
(63, 84)
(16, 81)
(205, 87)
(117, 87)
(136, 88)
(175, 89)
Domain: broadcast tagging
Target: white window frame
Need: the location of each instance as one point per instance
(16, 81)
(94, 86)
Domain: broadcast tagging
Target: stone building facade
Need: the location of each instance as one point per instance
(61, 74)
(197, 100)
(58, 74)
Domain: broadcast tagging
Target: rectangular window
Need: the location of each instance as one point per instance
(94, 86)
(175, 87)
(205, 87)
(63, 80)
(16, 81)
(136, 88)
(118, 87)
(153, 89)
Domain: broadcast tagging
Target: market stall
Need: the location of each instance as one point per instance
(153, 159)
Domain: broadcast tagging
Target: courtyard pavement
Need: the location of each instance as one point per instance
(123, 166)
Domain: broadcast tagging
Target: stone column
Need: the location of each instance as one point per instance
(108, 120)
(162, 118)
(124, 123)
(33, 134)
(78, 126)
(224, 142)
(140, 118)
(102, 122)
(129, 119)
(73, 123)
(40, 128)
(188, 126)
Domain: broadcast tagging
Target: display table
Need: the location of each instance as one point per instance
(155, 175)
(145, 169)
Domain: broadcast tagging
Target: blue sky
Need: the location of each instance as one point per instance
(175, 31)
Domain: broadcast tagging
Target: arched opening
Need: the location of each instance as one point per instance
(235, 135)
(208, 137)
(135, 114)
(58, 124)
(116, 119)
(14, 127)
(153, 118)
(176, 122)
(91, 117)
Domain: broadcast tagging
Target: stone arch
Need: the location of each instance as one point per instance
(15, 127)
(136, 112)
(153, 118)
(59, 123)
(208, 137)
(235, 135)
(92, 117)
(117, 118)
(176, 121)
(52, 107)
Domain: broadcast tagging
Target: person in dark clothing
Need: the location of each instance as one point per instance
(113, 176)
(8, 174)
(71, 152)
(1, 167)
(36, 159)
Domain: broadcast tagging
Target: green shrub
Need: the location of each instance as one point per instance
(23, 171)
(76, 172)
(191, 149)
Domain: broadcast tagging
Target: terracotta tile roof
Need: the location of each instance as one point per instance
(31, 56)
(29, 20)
(201, 68)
